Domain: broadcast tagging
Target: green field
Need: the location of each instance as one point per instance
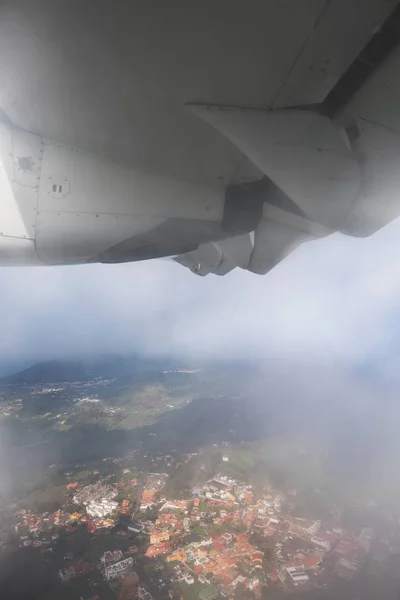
(49, 499)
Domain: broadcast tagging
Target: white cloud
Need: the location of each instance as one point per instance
(332, 300)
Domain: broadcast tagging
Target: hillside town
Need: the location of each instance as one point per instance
(123, 537)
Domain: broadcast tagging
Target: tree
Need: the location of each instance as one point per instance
(120, 496)
(239, 527)
(269, 554)
(240, 591)
(151, 513)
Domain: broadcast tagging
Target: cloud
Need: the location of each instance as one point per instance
(324, 323)
(333, 300)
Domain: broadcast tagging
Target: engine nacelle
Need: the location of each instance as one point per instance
(60, 205)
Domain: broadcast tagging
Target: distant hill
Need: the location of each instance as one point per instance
(106, 367)
(48, 372)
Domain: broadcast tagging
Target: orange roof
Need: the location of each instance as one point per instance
(75, 516)
(311, 561)
(71, 486)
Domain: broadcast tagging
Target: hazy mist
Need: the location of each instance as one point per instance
(332, 301)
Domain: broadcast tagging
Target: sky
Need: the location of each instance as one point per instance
(333, 301)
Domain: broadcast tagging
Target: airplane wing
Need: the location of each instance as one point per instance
(146, 129)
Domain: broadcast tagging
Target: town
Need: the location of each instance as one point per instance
(124, 536)
(127, 491)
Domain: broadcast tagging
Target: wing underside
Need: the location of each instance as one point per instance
(116, 79)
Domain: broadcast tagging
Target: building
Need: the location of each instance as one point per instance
(257, 559)
(107, 557)
(159, 536)
(75, 516)
(222, 542)
(112, 571)
(148, 496)
(158, 549)
(94, 493)
(346, 569)
(67, 574)
(321, 543)
(311, 561)
(219, 544)
(102, 508)
(135, 527)
(297, 574)
(143, 594)
(79, 568)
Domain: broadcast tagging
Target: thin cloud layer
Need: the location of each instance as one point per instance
(335, 300)
(324, 323)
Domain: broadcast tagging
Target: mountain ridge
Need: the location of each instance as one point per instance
(68, 370)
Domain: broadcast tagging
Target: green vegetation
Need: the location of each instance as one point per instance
(199, 530)
(46, 500)
(82, 477)
(191, 591)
